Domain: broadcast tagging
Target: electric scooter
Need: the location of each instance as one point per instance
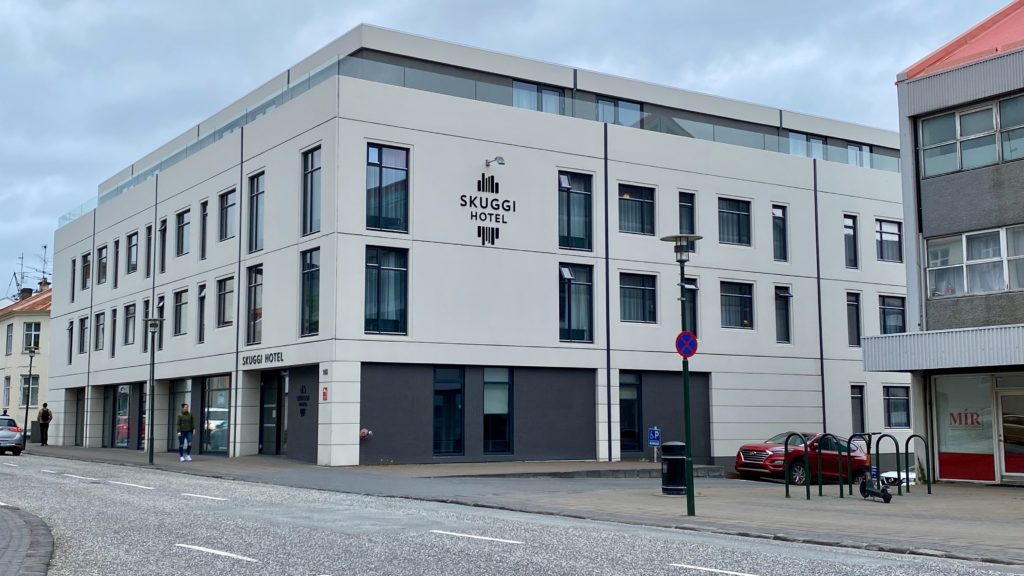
(873, 487)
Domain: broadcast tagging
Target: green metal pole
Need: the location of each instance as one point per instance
(690, 504)
(151, 386)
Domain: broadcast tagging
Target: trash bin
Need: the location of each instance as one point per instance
(673, 468)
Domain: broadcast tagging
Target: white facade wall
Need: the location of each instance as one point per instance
(16, 364)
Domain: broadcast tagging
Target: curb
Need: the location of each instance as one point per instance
(40, 544)
(698, 472)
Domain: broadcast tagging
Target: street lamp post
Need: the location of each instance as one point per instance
(682, 244)
(153, 327)
(31, 350)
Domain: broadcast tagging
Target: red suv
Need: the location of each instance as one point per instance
(766, 458)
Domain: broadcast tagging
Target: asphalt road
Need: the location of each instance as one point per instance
(110, 520)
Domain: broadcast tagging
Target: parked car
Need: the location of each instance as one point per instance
(766, 458)
(12, 437)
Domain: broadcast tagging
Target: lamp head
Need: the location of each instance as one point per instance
(682, 244)
(153, 324)
(496, 160)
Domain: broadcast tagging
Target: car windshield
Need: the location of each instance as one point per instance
(7, 422)
(781, 439)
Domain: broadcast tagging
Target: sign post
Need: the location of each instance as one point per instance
(654, 439)
(686, 346)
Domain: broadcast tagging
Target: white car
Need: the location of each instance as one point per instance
(890, 479)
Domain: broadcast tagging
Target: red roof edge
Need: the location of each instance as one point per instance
(934, 61)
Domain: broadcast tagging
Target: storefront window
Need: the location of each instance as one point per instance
(964, 418)
(216, 414)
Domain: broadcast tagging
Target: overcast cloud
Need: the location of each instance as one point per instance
(88, 87)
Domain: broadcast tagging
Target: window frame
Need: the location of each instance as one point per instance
(509, 414)
(780, 212)
(129, 324)
(378, 189)
(254, 305)
(693, 212)
(647, 207)
(880, 235)
(227, 215)
(640, 446)
(403, 323)
(859, 398)
(884, 306)
(1004, 257)
(309, 314)
(256, 212)
(565, 308)
(312, 186)
(566, 192)
(749, 298)
(889, 412)
(855, 302)
(204, 213)
(99, 333)
(180, 313)
(9, 350)
(997, 132)
(225, 301)
(26, 336)
(784, 294)
(740, 216)
(648, 298)
(850, 230)
(182, 232)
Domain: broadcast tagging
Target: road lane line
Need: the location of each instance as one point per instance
(476, 537)
(207, 497)
(9, 464)
(132, 485)
(2, 504)
(49, 471)
(217, 552)
(79, 477)
(711, 570)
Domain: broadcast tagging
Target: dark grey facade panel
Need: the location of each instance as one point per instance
(966, 84)
(661, 400)
(978, 199)
(974, 311)
(302, 409)
(553, 412)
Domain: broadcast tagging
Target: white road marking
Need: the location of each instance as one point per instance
(2, 504)
(476, 537)
(132, 485)
(11, 465)
(217, 552)
(49, 471)
(79, 477)
(711, 570)
(207, 497)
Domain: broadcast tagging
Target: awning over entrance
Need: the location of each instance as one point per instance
(939, 349)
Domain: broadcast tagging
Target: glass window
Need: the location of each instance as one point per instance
(99, 328)
(311, 191)
(133, 253)
(32, 387)
(74, 279)
(945, 267)
(160, 315)
(857, 408)
(636, 209)
(853, 318)
(86, 271)
(1015, 257)
(203, 217)
(889, 240)
(146, 337)
(850, 240)
(7, 391)
(310, 318)
(783, 321)
(574, 210)
(779, 233)
(30, 337)
(183, 227)
(984, 263)
(254, 305)
(448, 411)
(83, 335)
(162, 241)
(940, 160)
(497, 411)
(129, 324)
(149, 250)
(534, 97)
(180, 312)
(938, 129)
(638, 298)
(631, 436)
(201, 314)
(10, 339)
(225, 301)
(257, 191)
(101, 265)
(576, 303)
(734, 221)
(1011, 112)
(979, 151)
(387, 188)
(386, 290)
(228, 202)
(117, 261)
(897, 406)
(858, 155)
(892, 311)
(977, 122)
(690, 291)
(737, 305)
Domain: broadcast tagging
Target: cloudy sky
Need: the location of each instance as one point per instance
(88, 87)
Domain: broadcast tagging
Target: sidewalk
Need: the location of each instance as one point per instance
(26, 544)
(966, 521)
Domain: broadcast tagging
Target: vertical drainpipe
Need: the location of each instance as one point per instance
(607, 300)
(817, 278)
(232, 448)
(152, 299)
(88, 349)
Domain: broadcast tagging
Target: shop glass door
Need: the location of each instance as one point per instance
(270, 404)
(216, 415)
(181, 392)
(122, 408)
(1011, 432)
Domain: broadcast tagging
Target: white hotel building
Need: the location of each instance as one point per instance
(334, 252)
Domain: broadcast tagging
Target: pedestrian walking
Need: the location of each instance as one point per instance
(186, 431)
(45, 417)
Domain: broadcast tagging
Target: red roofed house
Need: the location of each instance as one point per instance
(25, 324)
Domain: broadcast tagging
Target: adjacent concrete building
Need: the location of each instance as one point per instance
(962, 139)
(459, 251)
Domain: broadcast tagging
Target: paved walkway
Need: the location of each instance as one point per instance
(958, 520)
(26, 544)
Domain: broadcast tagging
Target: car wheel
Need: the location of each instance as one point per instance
(17, 451)
(797, 473)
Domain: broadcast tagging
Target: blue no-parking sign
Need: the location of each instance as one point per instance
(654, 436)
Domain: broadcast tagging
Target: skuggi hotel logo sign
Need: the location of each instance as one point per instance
(488, 209)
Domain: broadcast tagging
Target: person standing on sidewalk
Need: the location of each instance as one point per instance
(186, 431)
(45, 417)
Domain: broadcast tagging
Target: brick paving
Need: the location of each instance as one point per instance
(26, 544)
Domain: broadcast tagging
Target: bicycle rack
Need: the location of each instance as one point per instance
(929, 466)
(807, 463)
(839, 461)
(849, 455)
(896, 445)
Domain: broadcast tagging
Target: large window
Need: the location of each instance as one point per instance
(631, 436)
(892, 314)
(850, 240)
(734, 221)
(387, 188)
(690, 287)
(32, 388)
(254, 305)
(183, 230)
(228, 215)
(636, 209)
(257, 190)
(203, 218)
(10, 339)
(180, 312)
(201, 314)
(806, 145)
(99, 330)
(574, 210)
(149, 250)
(162, 244)
(897, 406)
(688, 215)
(783, 317)
(973, 137)
(83, 335)
(853, 318)
(576, 303)
(780, 245)
(976, 263)
(448, 411)
(497, 411)
(621, 112)
(311, 191)
(225, 301)
(310, 302)
(638, 298)
(857, 408)
(737, 305)
(86, 271)
(129, 324)
(101, 265)
(537, 97)
(30, 339)
(386, 290)
(889, 240)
